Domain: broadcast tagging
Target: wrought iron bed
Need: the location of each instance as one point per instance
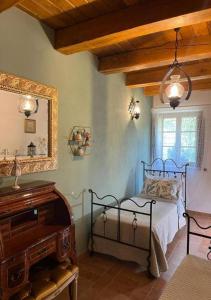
(148, 169)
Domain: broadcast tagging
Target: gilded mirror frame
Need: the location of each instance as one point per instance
(20, 85)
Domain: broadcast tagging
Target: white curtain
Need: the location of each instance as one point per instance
(157, 120)
(200, 138)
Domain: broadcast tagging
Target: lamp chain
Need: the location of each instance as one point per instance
(176, 46)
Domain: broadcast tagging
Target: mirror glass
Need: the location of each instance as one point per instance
(24, 124)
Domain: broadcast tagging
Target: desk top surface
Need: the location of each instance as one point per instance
(8, 190)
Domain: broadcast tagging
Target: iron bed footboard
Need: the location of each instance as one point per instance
(190, 232)
(117, 206)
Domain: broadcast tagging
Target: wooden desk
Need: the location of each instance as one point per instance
(35, 222)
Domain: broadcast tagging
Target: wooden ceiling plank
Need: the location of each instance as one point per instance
(41, 12)
(187, 32)
(106, 51)
(130, 2)
(68, 8)
(200, 70)
(136, 20)
(54, 10)
(65, 11)
(5, 4)
(100, 6)
(150, 40)
(114, 5)
(209, 27)
(201, 29)
(31, 8)
(196, 85)
(189, 50)
(86, 8)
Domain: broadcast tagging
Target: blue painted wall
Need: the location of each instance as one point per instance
(87, 98)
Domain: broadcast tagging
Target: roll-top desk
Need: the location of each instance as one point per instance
(35, 223)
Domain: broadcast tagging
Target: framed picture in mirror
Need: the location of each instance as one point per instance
(30, 126)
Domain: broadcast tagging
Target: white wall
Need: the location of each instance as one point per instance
(199, 182)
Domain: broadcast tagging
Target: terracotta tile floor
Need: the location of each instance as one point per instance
(103, 277)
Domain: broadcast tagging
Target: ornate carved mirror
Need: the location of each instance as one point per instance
(28, 125)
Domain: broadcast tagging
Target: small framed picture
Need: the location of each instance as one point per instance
(30, 126)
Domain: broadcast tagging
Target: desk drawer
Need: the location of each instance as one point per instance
(42, 250)
(13, 272)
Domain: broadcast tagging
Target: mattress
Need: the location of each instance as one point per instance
(191, 281)
(164, 227)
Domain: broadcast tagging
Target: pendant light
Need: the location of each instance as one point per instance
(176, 85)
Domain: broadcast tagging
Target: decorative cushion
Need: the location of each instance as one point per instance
(46, 281)
(42, 288)
(163, 189)
(59, 276)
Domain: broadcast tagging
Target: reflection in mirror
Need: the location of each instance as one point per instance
(24, 126)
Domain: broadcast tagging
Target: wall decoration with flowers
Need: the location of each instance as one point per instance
(80, 141)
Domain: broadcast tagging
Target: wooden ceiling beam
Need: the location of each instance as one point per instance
(5, 4)
(131, 22)
(197, 48)
(197, 71)
(204, 84)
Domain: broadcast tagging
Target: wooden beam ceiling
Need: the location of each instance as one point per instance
(197, 71)
(135, 21)
(204, 84)
(5, 4)
(197, 48)
(138, 39)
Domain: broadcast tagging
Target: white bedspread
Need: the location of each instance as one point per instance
(164, 228)
(191, 281)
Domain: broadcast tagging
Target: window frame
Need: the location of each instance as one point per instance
(178, 135)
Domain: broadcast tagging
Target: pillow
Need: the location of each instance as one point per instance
(161, 189)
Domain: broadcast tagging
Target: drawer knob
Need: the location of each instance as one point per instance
(42, 251)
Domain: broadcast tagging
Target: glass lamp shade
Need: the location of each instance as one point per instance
(27, 105)
(134, 109)
(174, 91)
(137, 110)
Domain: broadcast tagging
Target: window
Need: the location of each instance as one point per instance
(177, 137)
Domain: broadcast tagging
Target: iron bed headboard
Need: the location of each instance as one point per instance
(167, 168)
(190, 232)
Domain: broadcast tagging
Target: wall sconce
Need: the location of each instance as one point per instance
(28, 105)
(134, 109)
